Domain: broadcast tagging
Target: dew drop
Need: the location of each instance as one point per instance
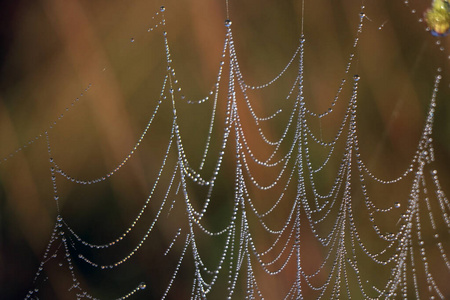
(228, 23)
(142, 285)
(397, 205)
(162, 8)
(132, 40)
(356, 77)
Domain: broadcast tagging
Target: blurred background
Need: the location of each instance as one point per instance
(51, 51)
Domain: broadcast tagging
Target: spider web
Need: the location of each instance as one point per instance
(277, 199)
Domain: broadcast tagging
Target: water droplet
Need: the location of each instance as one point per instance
(162, 8)
(142, 285)
(356, 77)
(132, 40)
(397, 205)
(228, 23)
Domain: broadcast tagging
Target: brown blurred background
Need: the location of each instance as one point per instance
(50, 51)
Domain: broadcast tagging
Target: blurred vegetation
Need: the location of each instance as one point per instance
(52, 50)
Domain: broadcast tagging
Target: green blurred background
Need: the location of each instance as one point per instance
(50, 51)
